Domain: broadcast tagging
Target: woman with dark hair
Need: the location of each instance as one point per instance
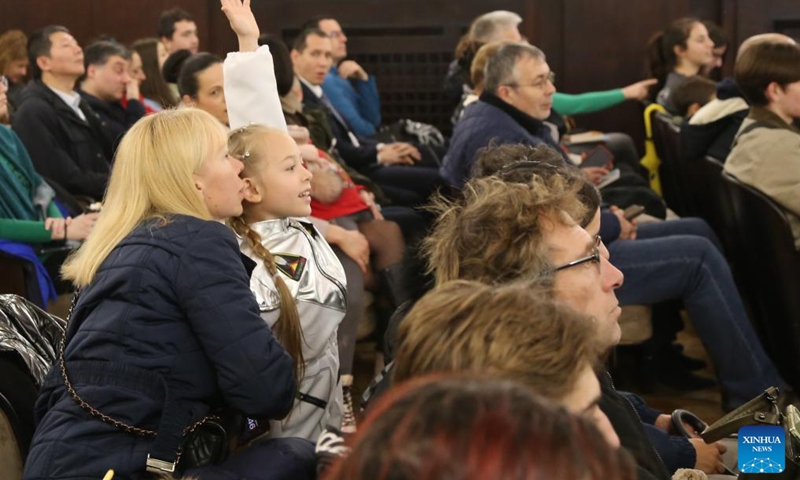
(677, 53)
(474, 428)
(171, 69)
(201, 85)
(154, 89)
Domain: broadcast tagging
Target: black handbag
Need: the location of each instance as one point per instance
(205, 442)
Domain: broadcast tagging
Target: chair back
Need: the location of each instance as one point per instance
(674, 173)
(771, 262)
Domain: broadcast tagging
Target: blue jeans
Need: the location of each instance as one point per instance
(681, 259)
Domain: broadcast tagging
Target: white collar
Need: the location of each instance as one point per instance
(316, 89)
(73, 99)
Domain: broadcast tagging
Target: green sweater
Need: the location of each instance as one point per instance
(28, 231)
(20, 220)
(589, 102)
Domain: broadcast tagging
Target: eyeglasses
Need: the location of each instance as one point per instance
(594, 257)
(4, 81)
(540, 84)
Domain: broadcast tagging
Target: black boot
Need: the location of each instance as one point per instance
(392, 285)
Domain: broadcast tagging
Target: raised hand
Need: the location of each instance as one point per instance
(243, 23)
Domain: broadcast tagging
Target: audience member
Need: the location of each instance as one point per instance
(499, 25)
(351, 90)
(363, 236)
(474, 428)
(155, 91)
(29, 214)
(201, 83)
(177, 31)
(765, 152)
(107, 83)
(677, 53)
(511, 331)
(712, 129)
(211, 349)
(666, 260)
(720, 51)
(461, 246)
(312, 59)
(61, 132)
(14, 65)
(171, 70)
(516, 107)
(137, 74)
(563, 103)
(692, 95)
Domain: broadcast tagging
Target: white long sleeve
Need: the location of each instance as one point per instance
(251, 91)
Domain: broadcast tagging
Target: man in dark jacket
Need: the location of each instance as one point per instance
(386, 164)
(61, 132)
(105, 84)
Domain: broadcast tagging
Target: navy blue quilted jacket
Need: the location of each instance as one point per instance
(169, 311)
(482, 124)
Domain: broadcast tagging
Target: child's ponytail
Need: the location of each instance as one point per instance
(287, 328)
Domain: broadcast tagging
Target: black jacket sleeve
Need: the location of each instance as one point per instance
(36, 126)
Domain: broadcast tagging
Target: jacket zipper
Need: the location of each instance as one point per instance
(321, 270)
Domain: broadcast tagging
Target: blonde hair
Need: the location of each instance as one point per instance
(151, 178)
(514, 331)
(251, 145)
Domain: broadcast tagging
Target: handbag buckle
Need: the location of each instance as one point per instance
(155, 465)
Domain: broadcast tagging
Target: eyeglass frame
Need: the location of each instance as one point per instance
(540, 84)
(594, 257)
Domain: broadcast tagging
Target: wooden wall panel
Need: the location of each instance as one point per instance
(87, 19)
(590, 44)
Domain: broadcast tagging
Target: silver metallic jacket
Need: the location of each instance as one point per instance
(316, 279)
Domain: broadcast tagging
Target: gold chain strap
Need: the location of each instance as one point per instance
(100, 415)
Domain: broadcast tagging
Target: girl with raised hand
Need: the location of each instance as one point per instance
(298, 281)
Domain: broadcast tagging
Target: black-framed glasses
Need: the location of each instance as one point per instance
(594, 257)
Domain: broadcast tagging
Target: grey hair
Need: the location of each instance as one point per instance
(487, 27)
(501, 68)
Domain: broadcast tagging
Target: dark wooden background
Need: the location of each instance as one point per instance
(407, 44)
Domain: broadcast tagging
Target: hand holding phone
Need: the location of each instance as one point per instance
(633, 211)
(599, 156)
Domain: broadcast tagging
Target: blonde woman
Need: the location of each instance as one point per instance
(165, 330)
